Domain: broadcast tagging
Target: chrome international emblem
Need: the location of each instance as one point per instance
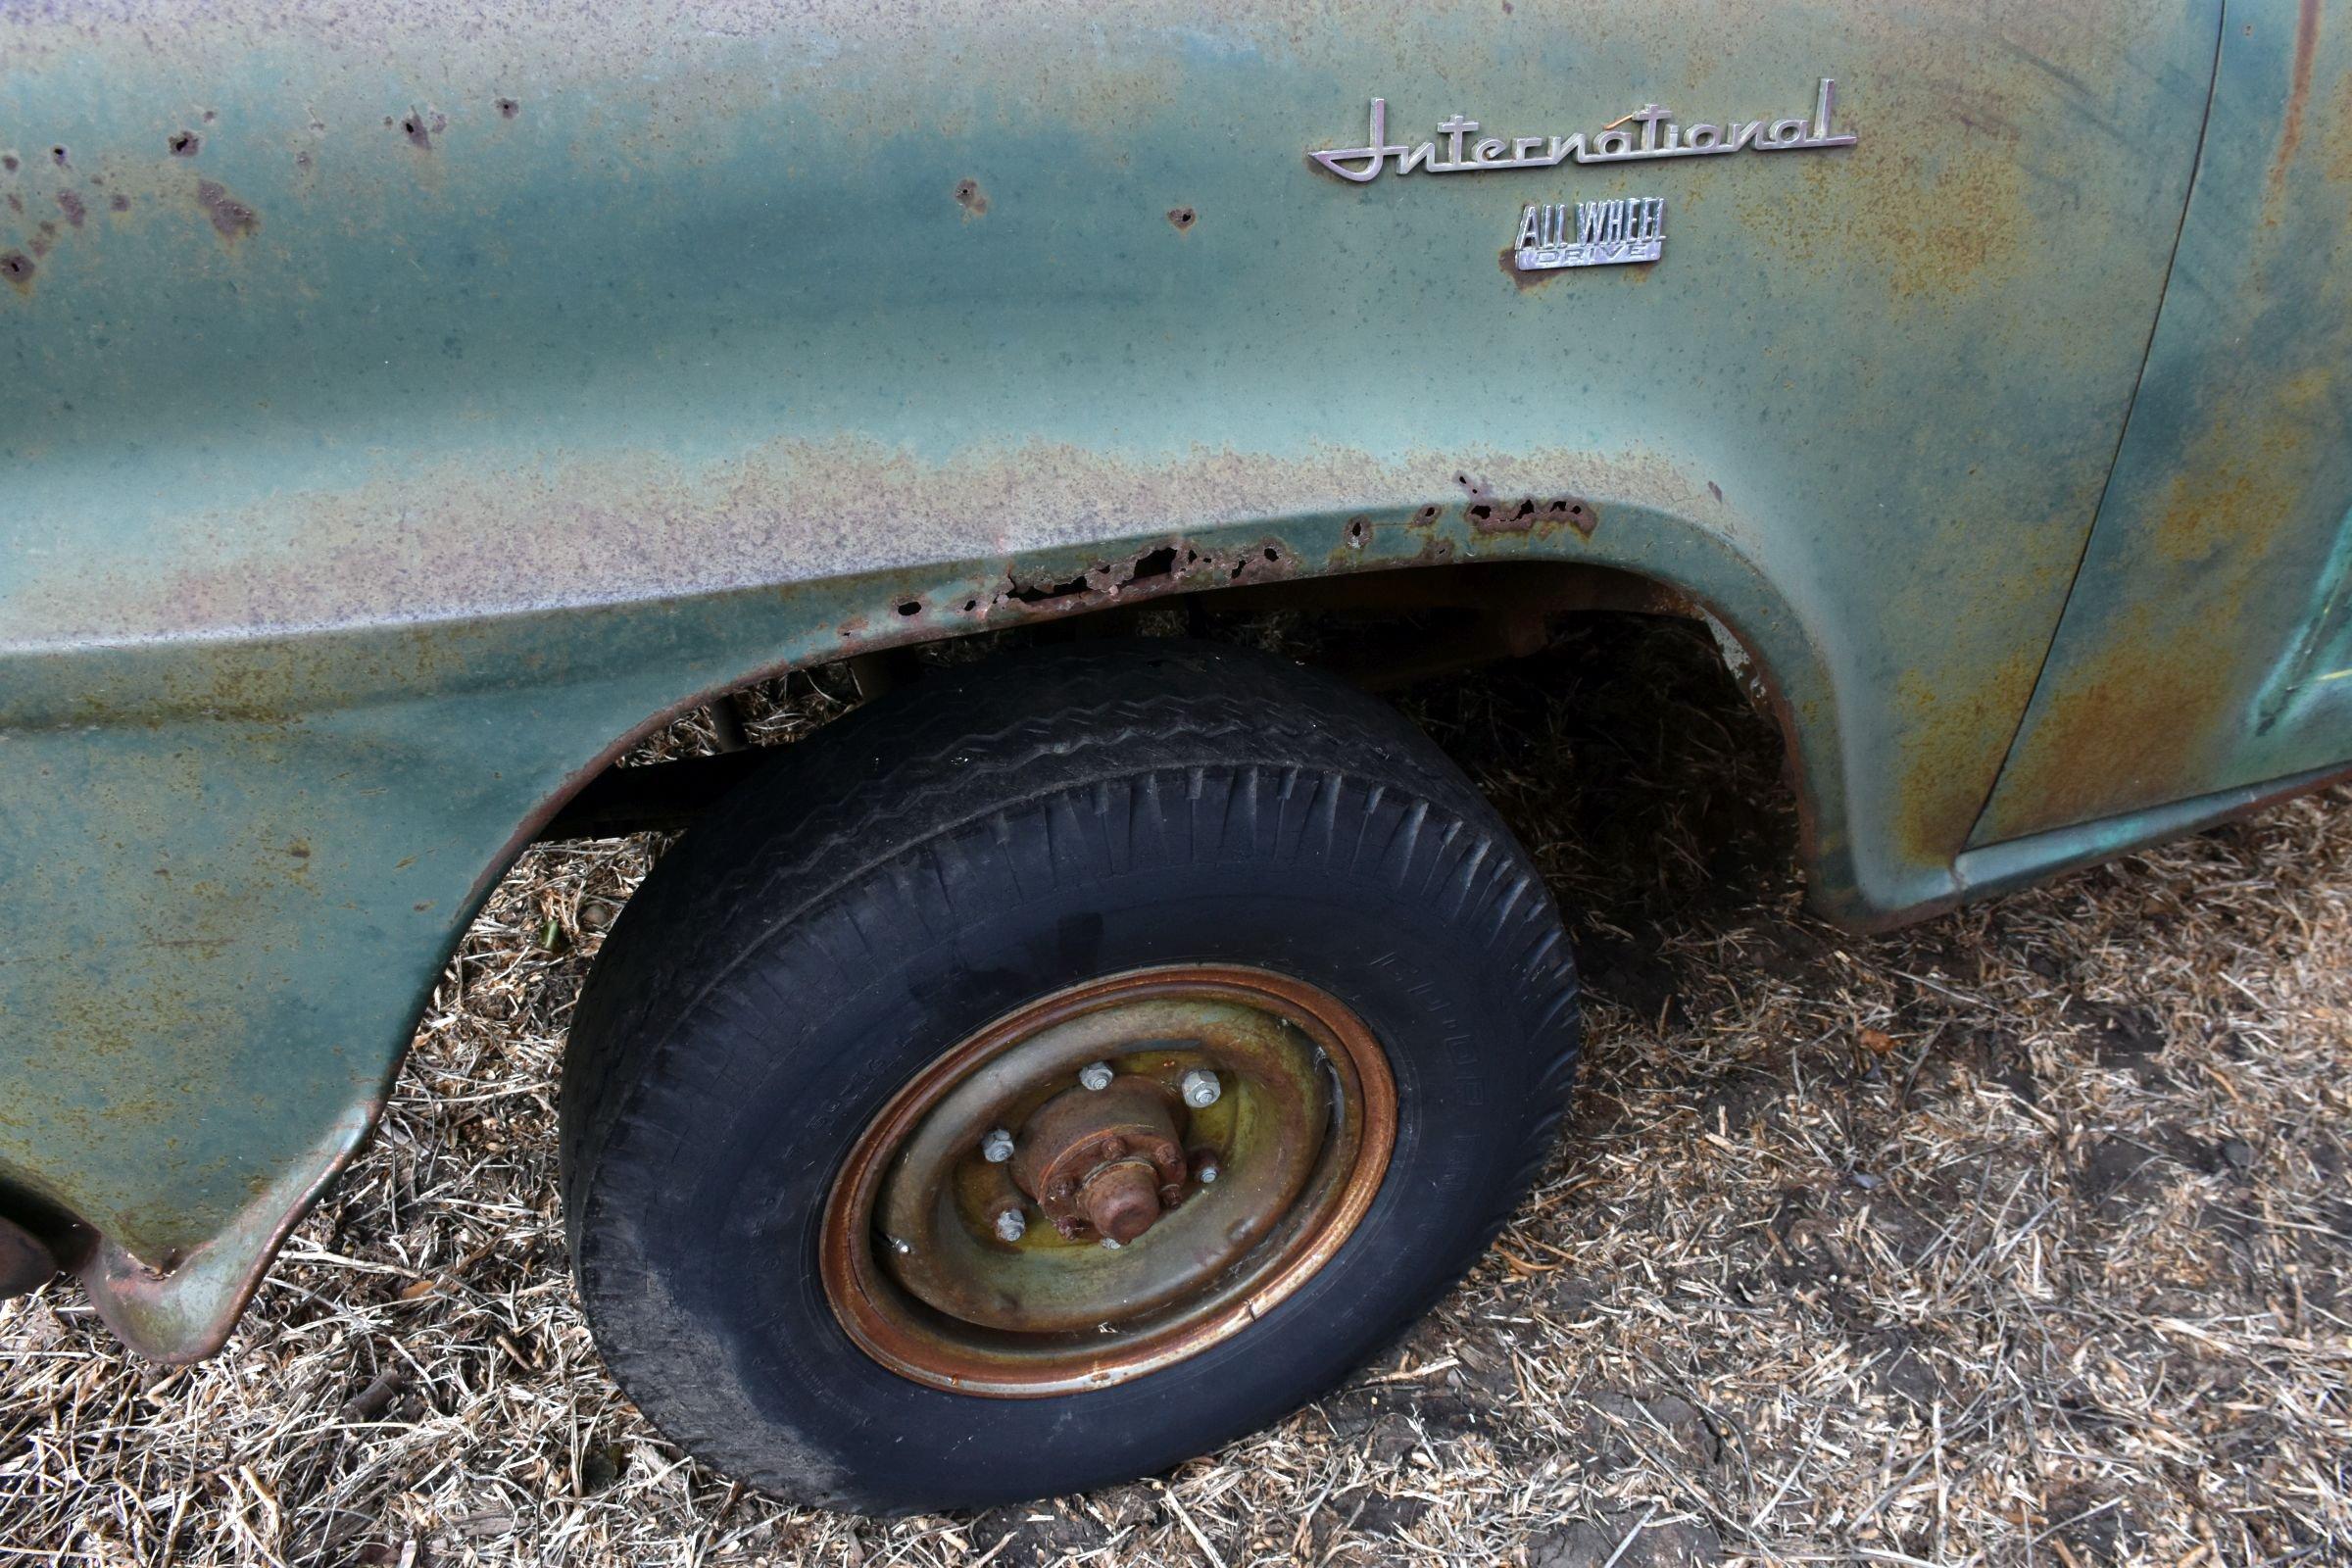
(1659, 136)
(1630, 228)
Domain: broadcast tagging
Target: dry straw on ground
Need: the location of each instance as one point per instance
(2019, 1237)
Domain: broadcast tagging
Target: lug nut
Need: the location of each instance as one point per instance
(1095, 1075)
(996, 1146)
(1206, 1171)
(1111, 1245)
(1012, 1225)
(1201, 1089)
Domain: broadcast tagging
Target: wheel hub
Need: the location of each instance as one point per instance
(1107, 1181)
(1102, 1162)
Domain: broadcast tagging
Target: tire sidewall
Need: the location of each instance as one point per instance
(709, 1249)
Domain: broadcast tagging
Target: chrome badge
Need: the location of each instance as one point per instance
(1631, 228)
(1660, 136)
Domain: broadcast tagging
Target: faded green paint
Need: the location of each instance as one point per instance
(2205, 647)
(477, 389)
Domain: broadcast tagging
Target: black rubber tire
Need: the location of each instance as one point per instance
(944, 856)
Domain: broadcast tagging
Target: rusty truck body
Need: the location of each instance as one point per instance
(404, 409)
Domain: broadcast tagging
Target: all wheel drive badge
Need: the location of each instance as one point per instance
(1594, 233)
(1598, 233)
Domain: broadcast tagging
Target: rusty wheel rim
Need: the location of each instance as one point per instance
(929, 1280)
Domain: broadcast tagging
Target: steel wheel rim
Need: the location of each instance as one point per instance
(1302, 1133)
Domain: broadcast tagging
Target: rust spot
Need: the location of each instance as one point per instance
(1182, 217)
(2290, 134)
(232, 218)
(971, 198)
(8, 162)
(507, 108)
(17, 269)
(57, 155)
(1714, 489)
(1167, 568)
(412, 127)
(70, 203)
(120, 204)
(1529, 516)
(1508, 260)
(183, 143)
(15, 203)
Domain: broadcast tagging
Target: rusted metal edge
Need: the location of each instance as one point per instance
(1996, 869)
(668, 797)
(182, 1308)
(1302, 553)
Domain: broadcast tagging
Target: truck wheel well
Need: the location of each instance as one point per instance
(1381, 630)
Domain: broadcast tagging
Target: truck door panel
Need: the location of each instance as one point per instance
(2207, 642)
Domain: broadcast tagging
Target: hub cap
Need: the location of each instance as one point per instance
(1150, 1225)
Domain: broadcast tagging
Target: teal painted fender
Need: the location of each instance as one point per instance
(397, 416)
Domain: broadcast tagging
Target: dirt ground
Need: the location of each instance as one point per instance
(2019, 1237)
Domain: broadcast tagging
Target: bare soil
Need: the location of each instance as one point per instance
(2019, 1237)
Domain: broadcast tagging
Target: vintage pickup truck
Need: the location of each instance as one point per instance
(1076, 1057)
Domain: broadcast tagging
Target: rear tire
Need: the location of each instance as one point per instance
(944, 857)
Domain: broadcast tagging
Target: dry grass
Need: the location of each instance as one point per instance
(2017, 1238)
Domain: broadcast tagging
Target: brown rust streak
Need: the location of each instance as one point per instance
(2141, 718)
(2298, 96)
(1943, 783)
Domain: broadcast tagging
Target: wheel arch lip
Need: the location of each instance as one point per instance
(170, 1276)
